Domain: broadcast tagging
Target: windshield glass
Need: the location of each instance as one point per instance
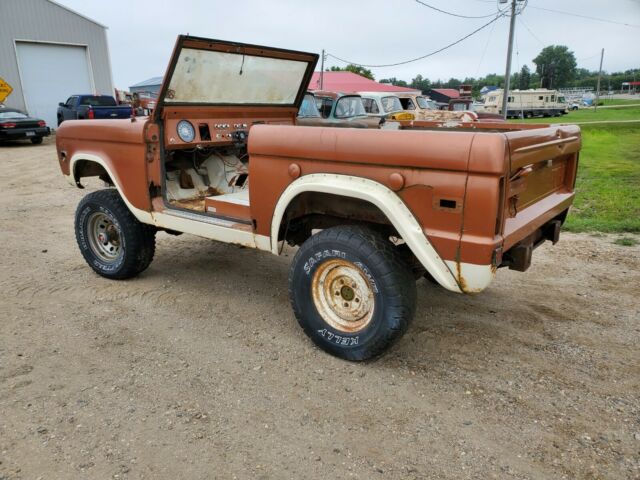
(391, 104)
(422, 102)
(309, 107)
(98, 101)
(561, 100)
(349, 107)
(205, 76)
(12, 115)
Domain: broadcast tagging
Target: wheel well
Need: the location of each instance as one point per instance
(89, 168)
(316, 210)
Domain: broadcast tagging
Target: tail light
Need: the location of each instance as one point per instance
(42, 123)
(8, 125)
(91, 115)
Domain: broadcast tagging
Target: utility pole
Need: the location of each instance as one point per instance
(598, 87)
(507, 75)
(322, 71)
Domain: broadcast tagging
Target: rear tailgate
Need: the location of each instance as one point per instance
(540, 187)
(123, 111)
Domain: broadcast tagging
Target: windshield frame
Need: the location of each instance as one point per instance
(349, 97)
(423, 102)
(314, 107)
(396, 100)
(245, 50)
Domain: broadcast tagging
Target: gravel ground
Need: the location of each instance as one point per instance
(197, 369)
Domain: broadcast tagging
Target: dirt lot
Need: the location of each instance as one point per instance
(197, 369)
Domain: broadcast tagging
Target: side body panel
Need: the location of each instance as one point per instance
(121, 146)
(433, 166)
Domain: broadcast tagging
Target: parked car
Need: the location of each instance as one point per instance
(17, 125)
(426, 109)
(371, 210)
(81, 107)
(384, 105)
(336, 109)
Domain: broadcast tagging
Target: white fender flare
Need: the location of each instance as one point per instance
(382, 197)
(141, 215)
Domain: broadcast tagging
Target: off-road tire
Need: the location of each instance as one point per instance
(137, 240)
(36, 140)
(391, 283)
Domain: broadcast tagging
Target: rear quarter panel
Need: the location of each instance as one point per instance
(434, 165)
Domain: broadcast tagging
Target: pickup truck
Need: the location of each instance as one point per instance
(81, 107)
(370, 210)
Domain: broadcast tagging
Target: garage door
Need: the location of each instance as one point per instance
(50, 74)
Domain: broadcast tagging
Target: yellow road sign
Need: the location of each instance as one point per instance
(5, 90)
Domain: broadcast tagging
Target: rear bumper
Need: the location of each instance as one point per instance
(19, 133)
(532, 218)
(519, 256)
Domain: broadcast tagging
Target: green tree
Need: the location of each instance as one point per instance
(394, 81)
(420, 83)
(525, 78)
(556, 65)
(365, 72)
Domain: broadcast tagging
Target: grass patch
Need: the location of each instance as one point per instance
(619, 101)
(589, 115)
(626, 241)
(608, 184)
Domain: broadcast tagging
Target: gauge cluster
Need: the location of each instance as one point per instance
(193, 131)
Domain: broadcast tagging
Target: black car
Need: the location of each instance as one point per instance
(17, 125)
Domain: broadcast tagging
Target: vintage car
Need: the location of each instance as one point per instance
(17, 125)
(426, 109)
(337, 110)
(384, 105)
(370, 210)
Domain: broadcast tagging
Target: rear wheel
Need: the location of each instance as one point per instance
(112, 241)
(36, 140)
(351, 292)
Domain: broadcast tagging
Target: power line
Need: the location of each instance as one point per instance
(423, 56)
(531, 32)
(486, 46)
(588, 17)
(452, 14)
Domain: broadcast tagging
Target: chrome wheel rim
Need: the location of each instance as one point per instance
(104, 237)
(343, 296)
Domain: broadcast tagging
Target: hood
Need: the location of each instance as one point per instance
(205, 72)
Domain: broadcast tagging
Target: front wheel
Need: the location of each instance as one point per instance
(112, 241)
(351, 292)
(36, 140)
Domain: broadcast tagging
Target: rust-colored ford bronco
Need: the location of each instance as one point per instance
(371, 210)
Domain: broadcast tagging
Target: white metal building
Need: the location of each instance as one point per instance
(48, 53)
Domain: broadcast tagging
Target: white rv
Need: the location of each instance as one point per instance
(527, 103)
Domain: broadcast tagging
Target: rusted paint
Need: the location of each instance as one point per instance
(460, 278)
(343, 295)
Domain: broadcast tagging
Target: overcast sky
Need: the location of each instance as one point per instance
(141, 33)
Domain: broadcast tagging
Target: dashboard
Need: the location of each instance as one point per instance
(189, 132)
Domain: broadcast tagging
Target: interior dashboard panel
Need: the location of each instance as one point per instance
(189, 132)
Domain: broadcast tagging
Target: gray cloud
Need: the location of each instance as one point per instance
(142, 33)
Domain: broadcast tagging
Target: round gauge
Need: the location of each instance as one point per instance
(186, 132)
